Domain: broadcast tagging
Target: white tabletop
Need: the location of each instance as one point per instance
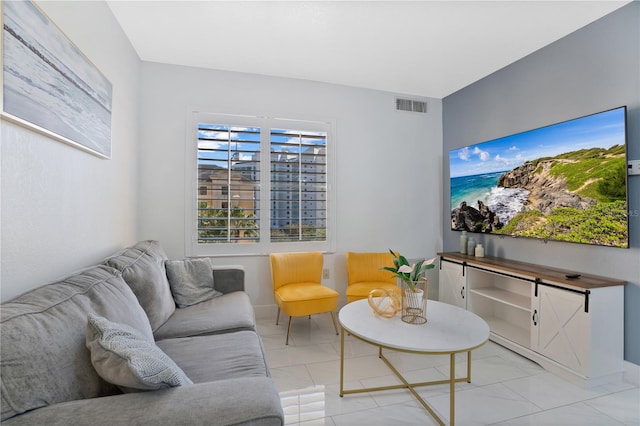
(448, 328)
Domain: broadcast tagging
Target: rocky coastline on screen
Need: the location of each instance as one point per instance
(546, 193)
(465, 217)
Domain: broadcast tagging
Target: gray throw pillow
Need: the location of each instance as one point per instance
(125, 357)
(142, 267)
(191, 281)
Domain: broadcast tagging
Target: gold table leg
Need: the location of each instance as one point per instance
(341, 361)
(410, 386)
(452, 389)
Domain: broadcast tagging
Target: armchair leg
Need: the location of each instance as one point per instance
(278, 316)
(335, 326)
(288, 330)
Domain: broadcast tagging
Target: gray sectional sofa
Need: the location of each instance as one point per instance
(59, 368)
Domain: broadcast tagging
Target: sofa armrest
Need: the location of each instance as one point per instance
(245, 401)
(228, 278)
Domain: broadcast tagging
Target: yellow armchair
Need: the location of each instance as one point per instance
(364, 273)
(297, 288)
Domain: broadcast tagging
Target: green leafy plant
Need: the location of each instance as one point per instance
(408, 273)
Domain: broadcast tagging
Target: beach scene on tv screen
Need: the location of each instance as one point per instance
(563, 182)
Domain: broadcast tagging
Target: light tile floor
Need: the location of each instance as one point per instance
(506, 389)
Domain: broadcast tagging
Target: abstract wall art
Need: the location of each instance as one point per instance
(48, 85)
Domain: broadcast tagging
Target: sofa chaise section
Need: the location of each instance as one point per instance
(47, 376)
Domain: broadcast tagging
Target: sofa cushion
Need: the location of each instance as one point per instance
(229, 312)
(218, 356)
(191, 281)
(142, 267)
(43, 358)
(125, 357)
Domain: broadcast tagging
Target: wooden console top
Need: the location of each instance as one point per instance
(535, 271)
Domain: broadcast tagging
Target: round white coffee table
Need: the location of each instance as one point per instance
(449, 330)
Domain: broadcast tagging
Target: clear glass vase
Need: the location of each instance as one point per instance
(414, 301)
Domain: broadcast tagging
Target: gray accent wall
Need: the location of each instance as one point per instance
(593, 69)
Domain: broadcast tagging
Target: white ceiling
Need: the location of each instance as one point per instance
(423, 48)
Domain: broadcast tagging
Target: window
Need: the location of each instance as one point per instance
(229, 165)
(259, 185)
(298, 173)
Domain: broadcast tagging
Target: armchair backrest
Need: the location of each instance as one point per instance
(366, 267)
(289, 268)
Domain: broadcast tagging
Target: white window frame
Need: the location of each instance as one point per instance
(264, 246)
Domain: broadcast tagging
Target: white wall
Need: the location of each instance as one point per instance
(388, 169)
(64, 209)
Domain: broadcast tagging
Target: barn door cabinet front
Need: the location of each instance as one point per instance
(570, 325)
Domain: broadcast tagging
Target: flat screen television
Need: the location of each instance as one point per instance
(563, 182)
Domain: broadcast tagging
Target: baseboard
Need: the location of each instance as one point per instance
(265, 311)
(631, 373)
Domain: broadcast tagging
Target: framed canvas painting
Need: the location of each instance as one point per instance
(48, 85)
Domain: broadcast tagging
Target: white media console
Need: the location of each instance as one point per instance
(573, 327)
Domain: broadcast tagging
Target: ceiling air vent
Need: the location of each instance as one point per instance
(411, 105)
